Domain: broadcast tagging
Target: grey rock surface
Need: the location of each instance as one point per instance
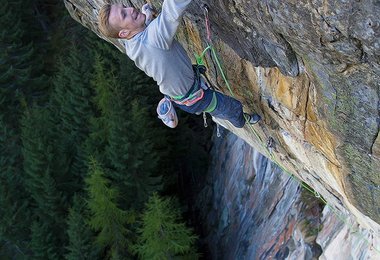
(251, 209)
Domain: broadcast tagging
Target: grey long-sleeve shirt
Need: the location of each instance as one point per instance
(159, 55)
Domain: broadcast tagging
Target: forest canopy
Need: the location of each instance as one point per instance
(87, 169)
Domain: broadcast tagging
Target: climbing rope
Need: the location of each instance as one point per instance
(268, 148)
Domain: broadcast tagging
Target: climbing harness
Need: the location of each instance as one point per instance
(270, 143)
(191, 99)
(196, 91)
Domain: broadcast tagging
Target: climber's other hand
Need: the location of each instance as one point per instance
(148, 11)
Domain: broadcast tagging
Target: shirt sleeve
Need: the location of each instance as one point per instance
(162, 30)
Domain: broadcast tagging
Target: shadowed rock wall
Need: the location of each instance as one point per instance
(250, 209)
(311, 69)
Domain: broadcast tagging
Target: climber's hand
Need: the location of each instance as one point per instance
(147, 9)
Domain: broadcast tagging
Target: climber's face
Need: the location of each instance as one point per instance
(128, 20)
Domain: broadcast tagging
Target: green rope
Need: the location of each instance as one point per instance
(200, 60)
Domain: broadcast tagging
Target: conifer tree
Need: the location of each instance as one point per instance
(130, 152)
(79, 233)
(72, 94)
(39, 166)
(72, 109)
(39, 160)
(102, 82)
(14, 201)
(143, 169)
(163, 234)
(21, 76)
(106, 218)
(15, 67)
(20, 81)
(43, 243)
(122, 135)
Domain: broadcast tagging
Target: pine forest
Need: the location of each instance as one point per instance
(87, 169)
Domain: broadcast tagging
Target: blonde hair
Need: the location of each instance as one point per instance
(104, 25)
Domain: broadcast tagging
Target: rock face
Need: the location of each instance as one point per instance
(312, 70)
(250, 209)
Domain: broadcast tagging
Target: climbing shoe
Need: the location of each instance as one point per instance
(166, 113)
(253, 118)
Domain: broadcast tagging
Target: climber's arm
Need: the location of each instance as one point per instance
(163, 29)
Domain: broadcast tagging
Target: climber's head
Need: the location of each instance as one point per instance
(120, 21)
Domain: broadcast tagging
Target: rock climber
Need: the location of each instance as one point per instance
(151, 45)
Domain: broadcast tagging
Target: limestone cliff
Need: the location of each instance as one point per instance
(311, 69)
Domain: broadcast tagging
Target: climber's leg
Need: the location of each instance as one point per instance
(220, 106)
(230, 109)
